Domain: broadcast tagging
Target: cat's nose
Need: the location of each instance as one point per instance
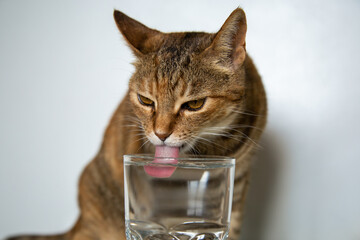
(162, 136)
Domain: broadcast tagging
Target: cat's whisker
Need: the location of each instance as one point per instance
(231, 127)
(143, 144)
(138, 125)
(133, 122)
(140, 134)
(132, 119)
(192, 146)
(246, 113)
(210, 142)
(227, 135)
(131, 125)
(137, 129)
(129, 122)
(250, 139)
(231, 136)
(140, 139)
(190, 143)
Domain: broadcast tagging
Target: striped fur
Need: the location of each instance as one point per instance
(172, 68)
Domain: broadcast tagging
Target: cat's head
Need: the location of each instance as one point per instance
(186, 86)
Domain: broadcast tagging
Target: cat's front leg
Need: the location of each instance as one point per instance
(241, 186)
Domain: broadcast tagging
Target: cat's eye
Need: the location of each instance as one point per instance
(194, 105)
(145, 101)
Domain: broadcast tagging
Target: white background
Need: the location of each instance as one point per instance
(64, 68)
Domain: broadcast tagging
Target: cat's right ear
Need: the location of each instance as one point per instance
(141, 39)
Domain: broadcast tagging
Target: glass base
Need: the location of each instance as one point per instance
(140, 230)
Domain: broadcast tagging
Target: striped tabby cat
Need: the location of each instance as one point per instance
(195, 91)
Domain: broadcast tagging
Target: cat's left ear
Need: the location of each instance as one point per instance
(227, 50)
(140, 38)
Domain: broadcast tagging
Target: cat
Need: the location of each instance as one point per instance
(199, 92)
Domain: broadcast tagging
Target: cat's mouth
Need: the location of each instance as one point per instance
(183, 148)
(182, 145)
(165, 151)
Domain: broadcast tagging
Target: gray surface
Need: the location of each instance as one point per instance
(64, 68)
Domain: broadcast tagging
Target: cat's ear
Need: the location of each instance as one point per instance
(227, 50)
(140, 38)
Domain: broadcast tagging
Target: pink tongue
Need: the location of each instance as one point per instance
(163, 154)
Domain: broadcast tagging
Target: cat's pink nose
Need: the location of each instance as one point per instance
(162, 136)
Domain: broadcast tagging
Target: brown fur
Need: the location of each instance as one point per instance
(172, 68)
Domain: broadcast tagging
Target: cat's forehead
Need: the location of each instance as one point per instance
(176, 70)
(177, 49)
(171, 62)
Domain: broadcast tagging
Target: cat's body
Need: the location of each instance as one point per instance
(196, 91)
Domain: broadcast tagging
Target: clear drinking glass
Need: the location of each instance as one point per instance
(189, 199)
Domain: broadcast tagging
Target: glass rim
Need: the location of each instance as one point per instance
(183, 161)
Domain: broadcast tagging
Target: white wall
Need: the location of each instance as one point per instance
(64, 68)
